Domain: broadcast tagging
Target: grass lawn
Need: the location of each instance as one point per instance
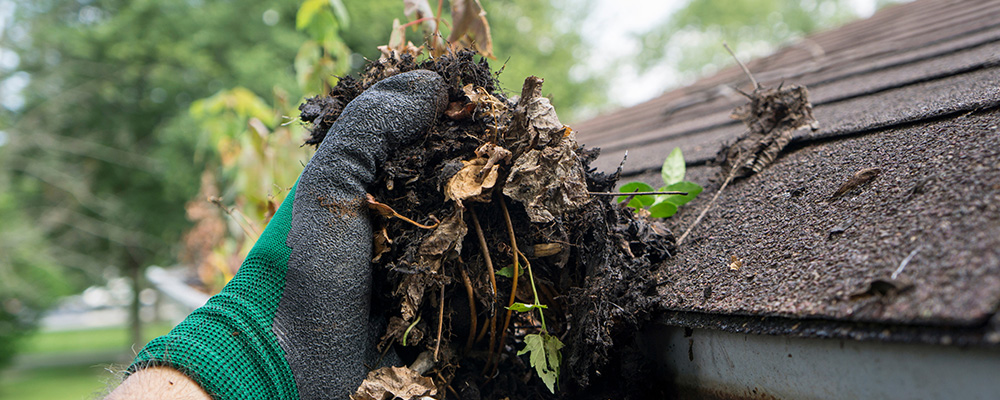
(82, 374)
(87, 340)
(69, 382)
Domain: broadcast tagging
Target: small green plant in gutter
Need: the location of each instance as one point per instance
(663, 205)
(542, 348)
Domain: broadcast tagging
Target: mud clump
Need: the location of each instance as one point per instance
(499, 182)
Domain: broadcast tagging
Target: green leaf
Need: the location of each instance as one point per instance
(673, 167)
(638, 201)
(545, 357)
(341, 12)
(521, 307)
(307, 11)
(508, 271)
(662, 209)
(693, 189)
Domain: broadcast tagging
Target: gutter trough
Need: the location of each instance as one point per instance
(714, 364)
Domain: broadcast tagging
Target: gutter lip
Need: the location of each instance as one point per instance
(983, 334)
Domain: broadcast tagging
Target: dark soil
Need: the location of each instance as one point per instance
(593, 262)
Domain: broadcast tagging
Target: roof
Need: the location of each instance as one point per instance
(914, 91)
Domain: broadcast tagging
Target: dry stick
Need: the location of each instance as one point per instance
(513, 290)
(745, 69)
(736, 166)
(242, 220)
(472, 309)
(440, 325)
(709, 207)
(493, 279)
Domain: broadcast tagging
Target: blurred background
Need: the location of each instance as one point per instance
(145, 143)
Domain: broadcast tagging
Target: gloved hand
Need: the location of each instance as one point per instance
(295, 321)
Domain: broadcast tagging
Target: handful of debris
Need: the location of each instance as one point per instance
(488, 244)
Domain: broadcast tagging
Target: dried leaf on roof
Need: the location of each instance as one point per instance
(771, 117)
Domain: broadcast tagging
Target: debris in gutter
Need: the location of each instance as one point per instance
(772, 116)
(594, 264)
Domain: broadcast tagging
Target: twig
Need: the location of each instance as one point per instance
(633, 193)
(484, 249)
(242, 220)
(472, 309)
(513, 290)
(895, 274)
(387, 212)
(440, 325)
(745, 69)
(732, 174)
(493, 278)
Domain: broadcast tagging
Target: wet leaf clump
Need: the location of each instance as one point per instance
(492, 208)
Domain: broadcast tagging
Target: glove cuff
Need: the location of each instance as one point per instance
(227, 345)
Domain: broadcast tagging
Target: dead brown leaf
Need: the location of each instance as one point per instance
(445, 242)
(381, 243)
(395, 383)
(549, 182)
(467, 184)
(469, 27)
(398, 45)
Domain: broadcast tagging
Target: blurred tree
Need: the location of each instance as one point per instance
(100, 152)
(690, 40)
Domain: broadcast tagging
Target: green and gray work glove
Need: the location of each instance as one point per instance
(295, 322)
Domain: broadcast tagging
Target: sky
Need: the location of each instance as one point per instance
(619, 21)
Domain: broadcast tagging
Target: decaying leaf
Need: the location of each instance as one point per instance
(859, 178)
(381, 244)
(548, 177)
(545, 356)
(443, 243)
(772, 116)
(389, 383)
(398, 45)
(535, 119)
(468, 184)
(469, 27)
(549, 182)
(484, 102)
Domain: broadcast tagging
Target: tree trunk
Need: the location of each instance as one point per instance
(135, 322)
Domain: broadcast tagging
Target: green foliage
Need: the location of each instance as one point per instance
(664, 205)
(508, 271)
(325, 56)
(673, 168)
(521, 307)
(545, 356)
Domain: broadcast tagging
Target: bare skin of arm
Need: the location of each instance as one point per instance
(158, 383)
